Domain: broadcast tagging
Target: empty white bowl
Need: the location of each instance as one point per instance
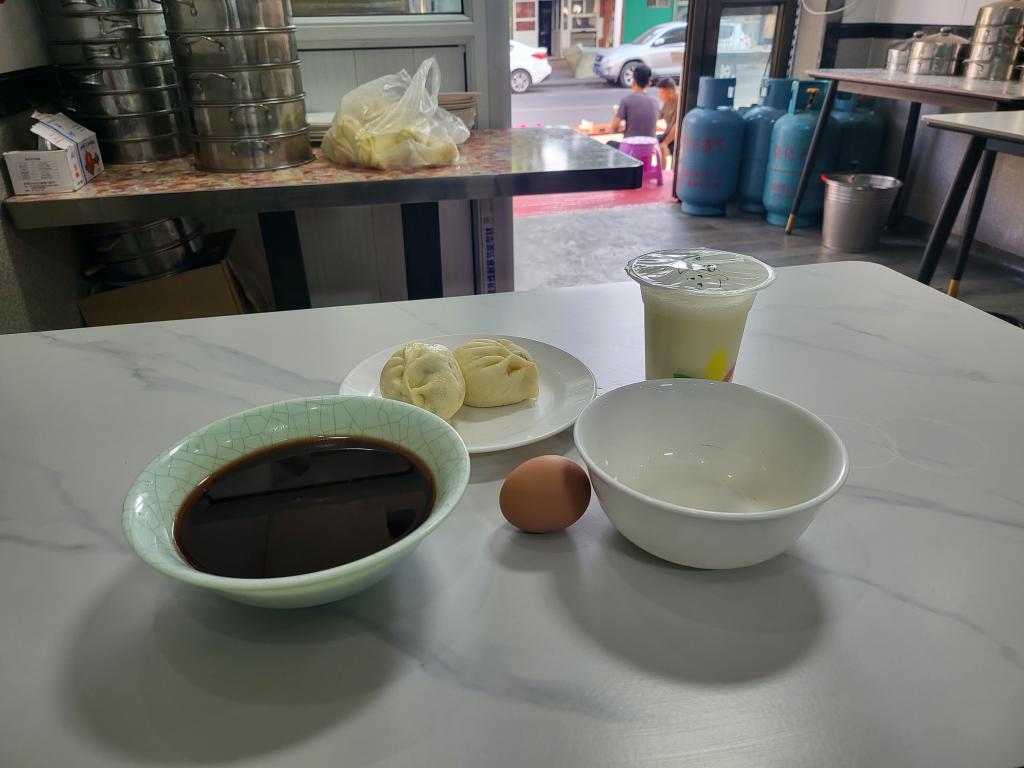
(156, 496)
(706, 473)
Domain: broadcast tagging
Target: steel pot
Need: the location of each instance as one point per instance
(1007, 12)
(221, 15)
(155, 264)
(263, 153)
(141, 126)
(271, 81)
(235, 49)
(106, 25)
(61, 7)
(128, 240)
(122, 103)
(989, 51)
(239, 120)
(898, 55)
(105, 79)
(152, 149)
(990, 69)
(937, 54)
(1004, 34)
(143, 50)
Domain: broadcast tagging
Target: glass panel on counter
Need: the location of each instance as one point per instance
(745, 37)
(374, 7)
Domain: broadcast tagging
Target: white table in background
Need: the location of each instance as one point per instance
(891, 635)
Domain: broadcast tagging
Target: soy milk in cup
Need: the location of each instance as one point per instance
(696, 302)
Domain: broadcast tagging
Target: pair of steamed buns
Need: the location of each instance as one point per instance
(483, 373)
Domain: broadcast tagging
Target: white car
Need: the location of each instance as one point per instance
(527, 65)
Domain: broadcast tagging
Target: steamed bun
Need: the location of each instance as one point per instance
(497, 372)
(425, 375)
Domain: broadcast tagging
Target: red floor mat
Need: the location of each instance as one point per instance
(537, 205)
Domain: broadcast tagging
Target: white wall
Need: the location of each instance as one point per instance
(932, 12)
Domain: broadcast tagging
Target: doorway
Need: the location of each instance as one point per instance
(544, 14)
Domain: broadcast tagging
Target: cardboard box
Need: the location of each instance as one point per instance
(204, 292)
(71, 166)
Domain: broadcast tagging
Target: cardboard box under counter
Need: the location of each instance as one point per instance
(205, 292)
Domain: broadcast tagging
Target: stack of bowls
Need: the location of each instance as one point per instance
(996, 43)
(462, 105)
(117, 76)
(239, 66)
(130, 252)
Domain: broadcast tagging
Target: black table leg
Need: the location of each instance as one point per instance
(906, 154)
(988, 162)
(812, 152)
(283, 250)
(950, 208)
(421, 235)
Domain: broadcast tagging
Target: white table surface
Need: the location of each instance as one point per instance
(996, 125)
(891, 635)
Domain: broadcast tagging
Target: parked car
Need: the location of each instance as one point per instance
(661, 48)
(653, 48)
(528, 65)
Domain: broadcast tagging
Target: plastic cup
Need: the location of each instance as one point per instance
(696, 303)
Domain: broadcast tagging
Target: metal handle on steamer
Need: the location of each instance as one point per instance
(190, 39)
(198, 77)
(237, 107)
(117, 24)
(93, 51)
(190, 3)
(258, 145)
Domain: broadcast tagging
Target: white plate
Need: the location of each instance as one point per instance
(566, 387)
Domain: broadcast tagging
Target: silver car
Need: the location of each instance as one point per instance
(655, 48)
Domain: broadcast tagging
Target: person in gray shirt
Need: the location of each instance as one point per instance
(638, 111)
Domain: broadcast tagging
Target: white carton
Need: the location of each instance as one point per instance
(73, 164)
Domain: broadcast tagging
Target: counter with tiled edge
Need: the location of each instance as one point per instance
(492, 164)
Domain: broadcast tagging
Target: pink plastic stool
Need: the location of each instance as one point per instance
(646, 150)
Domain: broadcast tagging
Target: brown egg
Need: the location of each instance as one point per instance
(545, 494)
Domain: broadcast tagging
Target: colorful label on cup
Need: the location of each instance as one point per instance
(715, 369)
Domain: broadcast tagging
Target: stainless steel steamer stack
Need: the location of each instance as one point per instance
(996, 43)
(239, 67)
(117, 76)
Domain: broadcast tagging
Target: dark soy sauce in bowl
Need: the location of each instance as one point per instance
(303, 506)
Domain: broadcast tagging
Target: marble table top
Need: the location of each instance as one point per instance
(892, 634)
(995, 125)
(493, 163)
(987, 90)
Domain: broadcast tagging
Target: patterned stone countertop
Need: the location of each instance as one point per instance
(493, 163)
(891, 634)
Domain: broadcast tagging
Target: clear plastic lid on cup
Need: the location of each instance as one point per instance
(700, 272)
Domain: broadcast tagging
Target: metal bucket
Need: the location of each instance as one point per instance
(856, 208)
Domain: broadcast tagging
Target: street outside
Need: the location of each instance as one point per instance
(563, 100)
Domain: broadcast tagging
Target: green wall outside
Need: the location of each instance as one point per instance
(637, 18)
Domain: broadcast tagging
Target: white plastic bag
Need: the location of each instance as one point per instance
(394, 122)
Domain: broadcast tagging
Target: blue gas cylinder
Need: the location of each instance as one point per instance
(710, 149)
(791, 139)
(757, 138)
(861, 132)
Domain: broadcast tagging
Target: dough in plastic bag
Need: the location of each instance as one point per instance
(394, 122)
(497, 372)
(425, 375)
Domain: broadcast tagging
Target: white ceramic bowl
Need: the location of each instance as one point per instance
(156, 495)
(708, 474)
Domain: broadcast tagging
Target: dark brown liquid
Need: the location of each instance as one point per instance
(303, 506)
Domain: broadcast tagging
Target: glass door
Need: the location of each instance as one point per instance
(737, 38)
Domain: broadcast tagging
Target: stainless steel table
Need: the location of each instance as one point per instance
(991, 133)
(939, 90)
(494, 163)
(891, 635)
